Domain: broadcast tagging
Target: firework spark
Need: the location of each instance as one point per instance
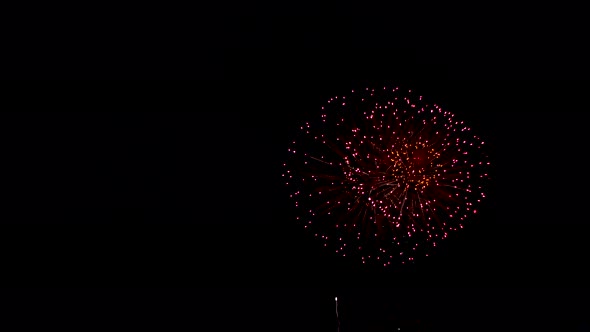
(385, 176)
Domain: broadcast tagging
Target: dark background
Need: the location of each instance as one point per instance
(160, 204)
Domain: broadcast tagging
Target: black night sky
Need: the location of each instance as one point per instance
(158, 203)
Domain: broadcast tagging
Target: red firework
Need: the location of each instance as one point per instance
(384, 175)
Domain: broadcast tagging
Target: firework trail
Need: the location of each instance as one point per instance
(383, 175)
(337, 316)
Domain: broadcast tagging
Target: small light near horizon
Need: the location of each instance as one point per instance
(336, 298)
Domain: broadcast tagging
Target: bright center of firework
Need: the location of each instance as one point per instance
(412, 170)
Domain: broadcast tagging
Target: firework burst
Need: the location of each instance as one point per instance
(385, 176)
